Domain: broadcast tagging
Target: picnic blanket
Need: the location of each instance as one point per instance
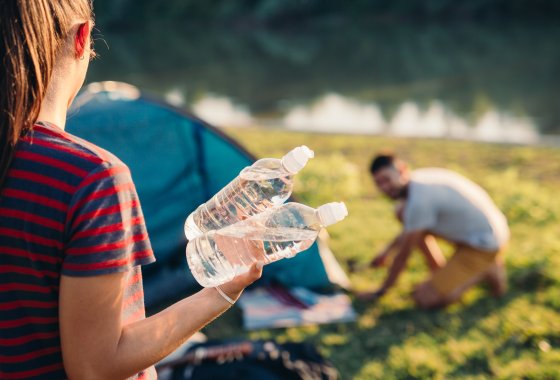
(275, 306)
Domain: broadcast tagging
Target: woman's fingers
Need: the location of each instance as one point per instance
(252, 275)
(240, 282)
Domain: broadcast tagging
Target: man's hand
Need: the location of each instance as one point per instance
(379, 260)
(371, 296)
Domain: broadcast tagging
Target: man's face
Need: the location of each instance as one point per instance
(391, 181)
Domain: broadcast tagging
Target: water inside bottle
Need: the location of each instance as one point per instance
(268, 245)
(220, 256)
(265, 184)
(241, 200)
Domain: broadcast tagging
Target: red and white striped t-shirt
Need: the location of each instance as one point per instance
(66, 207)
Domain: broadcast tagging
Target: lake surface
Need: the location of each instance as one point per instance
(478, 82)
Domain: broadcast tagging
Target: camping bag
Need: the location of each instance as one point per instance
(246, 360)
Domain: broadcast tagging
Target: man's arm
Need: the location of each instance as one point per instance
(96, 345)
(382, 256)
(432, 252)
(407, 241)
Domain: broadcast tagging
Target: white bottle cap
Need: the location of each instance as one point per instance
(331, 213)
(296, 159)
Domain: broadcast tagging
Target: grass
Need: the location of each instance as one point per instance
(515, 337)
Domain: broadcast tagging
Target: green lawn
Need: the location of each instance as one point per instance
(516, 337)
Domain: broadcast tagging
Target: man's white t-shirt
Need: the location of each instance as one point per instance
(455, 208)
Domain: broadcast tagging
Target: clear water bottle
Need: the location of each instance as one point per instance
(266, 183)
(218, 256)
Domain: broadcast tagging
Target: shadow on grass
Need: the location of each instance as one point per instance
(436, 328)
(393, 328)
(394, 324)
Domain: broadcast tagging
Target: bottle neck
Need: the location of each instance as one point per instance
(284, 168)
(318, 218)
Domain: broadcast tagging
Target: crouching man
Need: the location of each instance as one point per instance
(431, 203)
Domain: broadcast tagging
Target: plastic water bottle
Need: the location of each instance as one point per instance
(266, 183)
(218, 256)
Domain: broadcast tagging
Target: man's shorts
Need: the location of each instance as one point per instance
(465, 266)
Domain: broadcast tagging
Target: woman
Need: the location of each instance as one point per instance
(72, 234)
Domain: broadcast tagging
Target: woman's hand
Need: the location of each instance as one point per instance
(234, 288)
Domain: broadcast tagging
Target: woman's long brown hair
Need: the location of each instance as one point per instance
(31, 33)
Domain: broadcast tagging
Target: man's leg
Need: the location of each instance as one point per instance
(497, 277)
(426, 296)
(467, 267)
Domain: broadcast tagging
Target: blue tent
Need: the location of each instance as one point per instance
(177, 162)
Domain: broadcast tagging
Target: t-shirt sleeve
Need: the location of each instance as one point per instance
(419, 213)
(106, 232)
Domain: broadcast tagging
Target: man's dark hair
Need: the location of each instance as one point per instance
(382, 161)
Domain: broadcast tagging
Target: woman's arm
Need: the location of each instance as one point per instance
(96, 345)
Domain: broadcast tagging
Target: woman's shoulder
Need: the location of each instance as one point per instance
(56, 144)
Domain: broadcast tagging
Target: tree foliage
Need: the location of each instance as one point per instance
(288, 12)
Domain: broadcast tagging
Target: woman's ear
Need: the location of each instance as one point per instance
(81, 39)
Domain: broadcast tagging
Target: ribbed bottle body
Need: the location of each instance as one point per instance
(264, 185)
(218, 256)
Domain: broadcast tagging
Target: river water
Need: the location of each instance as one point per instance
(481, 82)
